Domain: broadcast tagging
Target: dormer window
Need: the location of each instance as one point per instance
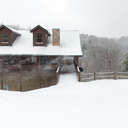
(5, 38)
(39, 38)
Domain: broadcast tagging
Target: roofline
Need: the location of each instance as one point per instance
(38, 55)
(2, 26)
(41, 28)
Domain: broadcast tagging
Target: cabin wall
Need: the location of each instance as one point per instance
(23, 73)
(24, 60)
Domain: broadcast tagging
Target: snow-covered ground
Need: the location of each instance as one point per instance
(70, 104)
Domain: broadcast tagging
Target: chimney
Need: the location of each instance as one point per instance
(56, 37)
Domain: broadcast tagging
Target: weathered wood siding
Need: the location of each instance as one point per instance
(44, 37)
(11, 37)
(7, 32)
(28, 80)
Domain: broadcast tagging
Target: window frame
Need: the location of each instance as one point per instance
(5, 38)
(39, 38)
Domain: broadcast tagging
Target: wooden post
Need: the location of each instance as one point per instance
(57, 73)
(78, 76)
(94, 75)
(20, 79)
(38, 63)
(20, 72)
(2, 76)
(115, 75)
(2, 81)
(76, 63)
(39, 60)
(76, 59)
(78, 73)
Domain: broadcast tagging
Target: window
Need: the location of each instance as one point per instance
(39, 37)
(5, 38)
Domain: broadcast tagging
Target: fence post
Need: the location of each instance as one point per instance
(2, 79)
(115, 75)
(20, 80)
(94, 75)
(20, 73)
(78, 76)
(57, 73)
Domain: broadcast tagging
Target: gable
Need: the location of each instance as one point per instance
(4, 29)
(7, 34)
(9, 29)
(39, 28)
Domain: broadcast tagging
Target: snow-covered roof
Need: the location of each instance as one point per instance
(13, 30)
(70, 45)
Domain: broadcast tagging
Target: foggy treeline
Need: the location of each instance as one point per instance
(104, 54)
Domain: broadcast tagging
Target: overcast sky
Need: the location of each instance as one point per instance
(97, 17)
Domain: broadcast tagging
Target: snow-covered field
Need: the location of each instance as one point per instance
(70, 104)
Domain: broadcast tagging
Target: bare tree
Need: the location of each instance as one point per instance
(102, 54)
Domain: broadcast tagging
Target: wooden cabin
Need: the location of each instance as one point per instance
(38, 46)
(29, 59)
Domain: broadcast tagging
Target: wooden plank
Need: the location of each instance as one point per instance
(87, 79)
(104, 73)
(122, 77)
(104, 78)
(123, 74)
(87, 75)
